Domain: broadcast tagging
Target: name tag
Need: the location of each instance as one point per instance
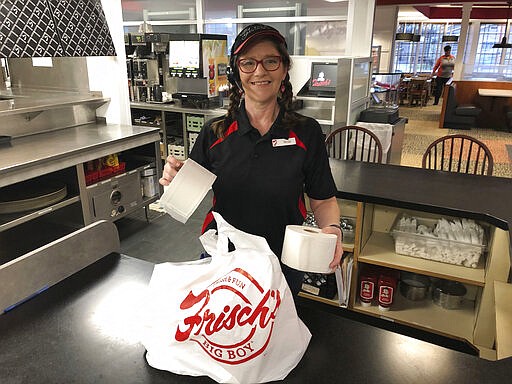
(283, 142)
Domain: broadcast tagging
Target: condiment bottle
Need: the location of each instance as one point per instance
(387, 287)
(368, 280)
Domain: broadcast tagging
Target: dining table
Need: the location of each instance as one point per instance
(497, 116)
(494, 93)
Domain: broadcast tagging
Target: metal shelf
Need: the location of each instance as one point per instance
(11, 220)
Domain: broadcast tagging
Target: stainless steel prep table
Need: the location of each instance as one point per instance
(61, 154)
(68, 334)
(42, 153)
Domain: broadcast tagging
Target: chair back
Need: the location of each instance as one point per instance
(418, 91)
(459, 153)
(354, 143)
(418, 84)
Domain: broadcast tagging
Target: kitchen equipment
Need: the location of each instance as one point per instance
(149, 182)
(115, 197)
(198, 62)
(157, 93)
(449, 294)
(413, 286)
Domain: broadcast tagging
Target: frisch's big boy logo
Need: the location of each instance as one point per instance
(237, 331)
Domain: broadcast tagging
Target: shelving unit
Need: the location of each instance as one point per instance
(466, 323)
(428, 316)
(369, 192)
(178, 125)
(379, 250)
(502, 294)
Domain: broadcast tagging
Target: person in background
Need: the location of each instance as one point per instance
(265, 155)
(443, 69)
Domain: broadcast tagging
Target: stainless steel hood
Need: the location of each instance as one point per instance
(54, 28)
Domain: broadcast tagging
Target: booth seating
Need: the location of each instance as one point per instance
(508, 114)
(458, 116)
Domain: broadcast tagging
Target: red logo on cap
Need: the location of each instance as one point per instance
(242, 329)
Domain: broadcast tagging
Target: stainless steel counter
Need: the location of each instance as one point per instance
(25, 100)
(176, 107)
(39, 154)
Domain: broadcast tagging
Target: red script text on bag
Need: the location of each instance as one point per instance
(240, 331)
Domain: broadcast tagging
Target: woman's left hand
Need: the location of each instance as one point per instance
(338, 253)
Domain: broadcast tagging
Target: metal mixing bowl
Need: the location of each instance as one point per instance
(413, 286)
(449, 294)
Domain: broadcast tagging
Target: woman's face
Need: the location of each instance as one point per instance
(262, 86)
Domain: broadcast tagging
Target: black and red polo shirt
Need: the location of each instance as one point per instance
(261, 180)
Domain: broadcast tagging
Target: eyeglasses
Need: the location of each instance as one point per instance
(271, 63)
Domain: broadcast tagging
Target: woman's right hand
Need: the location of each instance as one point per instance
(171, 168)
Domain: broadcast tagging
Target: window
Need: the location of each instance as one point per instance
(310, 27)
(420, 56)
(488, 57)
(485, 62)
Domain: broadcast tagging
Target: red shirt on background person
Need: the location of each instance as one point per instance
(443, 69)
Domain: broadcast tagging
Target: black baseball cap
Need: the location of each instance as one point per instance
(251, 33)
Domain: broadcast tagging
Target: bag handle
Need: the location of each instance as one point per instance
(240, 239)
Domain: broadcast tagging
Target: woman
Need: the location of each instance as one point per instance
(443, 68)
(265, 155)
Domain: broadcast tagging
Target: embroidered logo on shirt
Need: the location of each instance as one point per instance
(283, 142)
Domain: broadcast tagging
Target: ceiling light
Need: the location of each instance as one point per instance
(504, 43)
(404, 36)
(450, 38)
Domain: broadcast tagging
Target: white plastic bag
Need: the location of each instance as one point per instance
(231, 317)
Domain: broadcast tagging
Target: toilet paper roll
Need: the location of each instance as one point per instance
(186, 190)
(308, 249)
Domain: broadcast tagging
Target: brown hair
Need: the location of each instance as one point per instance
(285, 100)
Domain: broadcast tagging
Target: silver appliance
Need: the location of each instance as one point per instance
(114, 198)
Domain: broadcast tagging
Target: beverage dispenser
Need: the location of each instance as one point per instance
(199, 63)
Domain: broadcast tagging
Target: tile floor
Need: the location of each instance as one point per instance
(423, 128)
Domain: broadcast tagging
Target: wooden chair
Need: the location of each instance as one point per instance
(459, 153)
(354, 143)
(403, 88)
(417, 92)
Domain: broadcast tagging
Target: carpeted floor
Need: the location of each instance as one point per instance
(423, 128)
